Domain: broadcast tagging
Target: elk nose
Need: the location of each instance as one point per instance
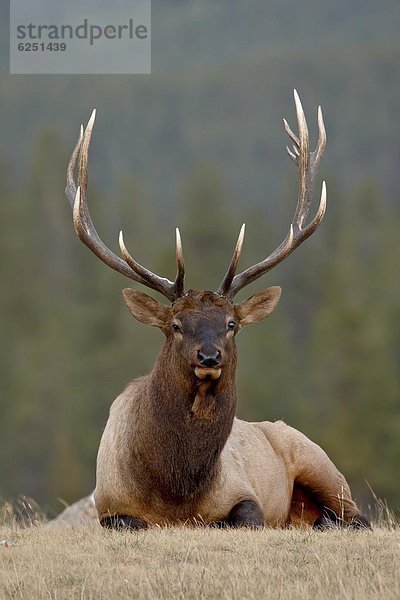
(209, 359)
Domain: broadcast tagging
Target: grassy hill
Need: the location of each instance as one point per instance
(199, 564)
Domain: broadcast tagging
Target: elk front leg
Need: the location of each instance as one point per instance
(123, 522)
(245, 513)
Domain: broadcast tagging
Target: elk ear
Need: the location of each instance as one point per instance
(145, 309)
(259, 306)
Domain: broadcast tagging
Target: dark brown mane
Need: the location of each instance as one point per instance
(189, 438)
(190, 419)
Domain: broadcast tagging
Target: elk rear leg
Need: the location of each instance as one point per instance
(123, 522)
(327, 494)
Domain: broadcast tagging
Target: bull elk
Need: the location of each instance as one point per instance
(172, 450)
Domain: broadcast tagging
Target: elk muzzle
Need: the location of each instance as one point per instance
(209, 360)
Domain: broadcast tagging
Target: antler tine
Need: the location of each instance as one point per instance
(77, 196)
(321, 139)
(290, 133)
(70, 189)
(307, 162)
(230, 274)
(180, 263)
(82, 220)
(174, 289)
(302, 161)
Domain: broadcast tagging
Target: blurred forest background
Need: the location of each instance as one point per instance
(200, 144)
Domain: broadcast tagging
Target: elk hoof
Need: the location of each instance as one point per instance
(360, 522)
(123, 522)
(246, 513)
(329, 520)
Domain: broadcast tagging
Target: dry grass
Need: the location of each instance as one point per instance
(59, 563)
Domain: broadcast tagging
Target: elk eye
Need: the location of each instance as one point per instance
(176, 328)
(231, 325)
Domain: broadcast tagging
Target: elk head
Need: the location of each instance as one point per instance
(200, 326)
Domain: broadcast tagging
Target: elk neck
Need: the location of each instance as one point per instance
(190, 422)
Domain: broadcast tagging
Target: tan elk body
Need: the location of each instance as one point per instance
(172, 450)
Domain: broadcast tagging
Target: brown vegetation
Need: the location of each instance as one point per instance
(92, 563)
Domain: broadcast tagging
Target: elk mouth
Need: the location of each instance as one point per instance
(207, 373)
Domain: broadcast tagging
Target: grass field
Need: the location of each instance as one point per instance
(86, 563)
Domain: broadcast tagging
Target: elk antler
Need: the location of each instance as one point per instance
(77, 196)
(307, 162)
